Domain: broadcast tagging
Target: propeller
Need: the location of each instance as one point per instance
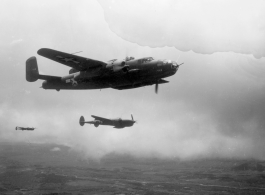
(156, 87)
(132, 118)
(178, 60)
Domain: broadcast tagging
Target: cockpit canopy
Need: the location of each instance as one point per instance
(111, 61)
(145, 60)
(128, 58)
(148, 59)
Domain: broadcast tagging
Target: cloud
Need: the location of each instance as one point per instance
(15, 42)
(203, 26)
(56, 149)
(212, 107)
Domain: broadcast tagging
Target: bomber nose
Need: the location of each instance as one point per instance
(174, 65)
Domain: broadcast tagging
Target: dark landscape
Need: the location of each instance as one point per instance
(55, 169)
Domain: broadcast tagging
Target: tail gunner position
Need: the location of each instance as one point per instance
(87, 73)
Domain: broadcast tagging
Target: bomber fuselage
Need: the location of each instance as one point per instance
(118, 75)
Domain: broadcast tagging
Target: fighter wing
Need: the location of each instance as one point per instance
(101, 119)
(76, 62)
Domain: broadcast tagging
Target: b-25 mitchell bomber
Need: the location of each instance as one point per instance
(87, 73)
(117, 123)
(26, 128)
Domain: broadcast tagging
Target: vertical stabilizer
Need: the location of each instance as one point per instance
(82, 121)
(32, 72)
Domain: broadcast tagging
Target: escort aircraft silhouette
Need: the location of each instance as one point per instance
(117, 123)
(26, 128)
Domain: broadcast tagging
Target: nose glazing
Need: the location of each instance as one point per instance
(169, 63)
(174, 65)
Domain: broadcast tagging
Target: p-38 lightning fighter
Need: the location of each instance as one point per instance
(26, 128)
(87, 73)
(117, 123)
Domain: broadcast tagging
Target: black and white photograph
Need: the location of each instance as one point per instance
(132, 97)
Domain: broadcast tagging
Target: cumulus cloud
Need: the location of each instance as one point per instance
(203, 26)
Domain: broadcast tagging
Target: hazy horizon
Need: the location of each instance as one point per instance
(214, 106)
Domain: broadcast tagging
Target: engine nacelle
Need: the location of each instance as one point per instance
(119, 63)
(70, 76)
(116, 66)
(121, 68)
(67, 77)
(97, 122)
(72, 70)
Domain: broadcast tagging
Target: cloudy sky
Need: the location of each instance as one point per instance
(214, 106)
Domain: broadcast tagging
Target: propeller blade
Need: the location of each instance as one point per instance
(156, 87)
(132, 117)
(178, 59)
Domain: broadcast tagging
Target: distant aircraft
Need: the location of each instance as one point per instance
(117, 123)
(25, 128)
(87, 73)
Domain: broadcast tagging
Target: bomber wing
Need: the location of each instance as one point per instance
(101, 119)
(76, 62)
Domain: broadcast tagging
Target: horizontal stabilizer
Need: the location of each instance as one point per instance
(49, 78)
(32, 72)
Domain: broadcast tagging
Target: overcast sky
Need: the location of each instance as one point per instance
(214, 106)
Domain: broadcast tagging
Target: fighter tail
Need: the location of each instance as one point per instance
(82, 121)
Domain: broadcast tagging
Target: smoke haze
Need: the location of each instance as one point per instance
(213, 107)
